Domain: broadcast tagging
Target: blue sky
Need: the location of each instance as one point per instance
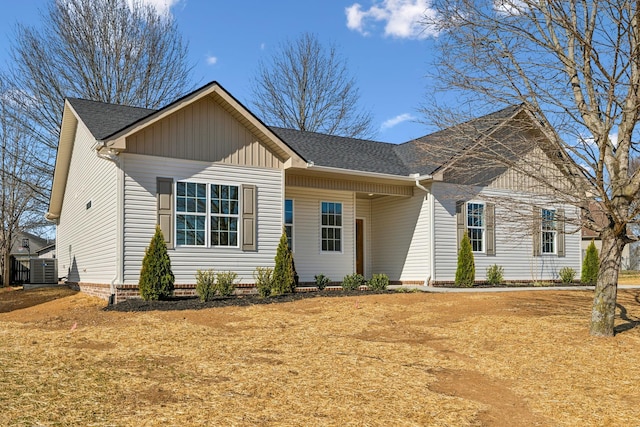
(387, 52)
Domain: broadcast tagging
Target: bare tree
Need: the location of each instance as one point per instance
(116, 51)
(307, 87)
(21, 181)
(575, 67)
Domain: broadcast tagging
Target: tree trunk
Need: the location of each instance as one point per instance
(6, 269)
(604, 301)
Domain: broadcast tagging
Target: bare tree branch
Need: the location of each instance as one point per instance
(307, 87)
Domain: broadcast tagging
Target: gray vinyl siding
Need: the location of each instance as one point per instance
(400, 228)
(309, 259)
(140, 216)
(86, 238)
(513, 235)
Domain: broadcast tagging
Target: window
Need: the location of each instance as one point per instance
(191, 208)
(288, 221)
(549, 231)
(476, 225)
(331, 228)
(195, 202)
(224, 215)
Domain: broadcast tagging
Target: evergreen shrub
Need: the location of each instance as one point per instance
(590, 265)
(156, 278)
(284, 272)
(466, 270)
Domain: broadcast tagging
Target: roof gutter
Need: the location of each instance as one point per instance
(432, 229)
(409, 178)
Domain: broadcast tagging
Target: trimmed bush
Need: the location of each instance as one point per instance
(466, 271)
(567, 274)
(321, 281)
(590, 265)
(283, 273)
(156, 277)
(352, 282)
(378, 282)
(226, 282)
(264, 280)
(205, 284)
(495, 275)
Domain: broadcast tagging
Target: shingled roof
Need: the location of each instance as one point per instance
(105, 119)
(344, 153)
(423, 155)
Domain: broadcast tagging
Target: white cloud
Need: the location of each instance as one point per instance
(212, 60)
(509, 7)
(388, 124)
(402, 18)
(162, 6)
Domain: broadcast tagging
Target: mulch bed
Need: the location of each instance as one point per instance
(194, 303)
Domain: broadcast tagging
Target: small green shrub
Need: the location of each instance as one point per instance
(567, 274)
(156, 278)
(407, 290)
(264, 280)
(466, 270)
(352, 282)
(322, 281)
(495, 275)
(226, 282)
(205, 284)
(590, 265)
(378, 282)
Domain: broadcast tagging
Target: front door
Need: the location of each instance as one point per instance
(360, 246)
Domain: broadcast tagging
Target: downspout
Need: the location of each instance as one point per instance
(432, 229)
(112, 156)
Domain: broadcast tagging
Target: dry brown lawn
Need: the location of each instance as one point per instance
(494, 359)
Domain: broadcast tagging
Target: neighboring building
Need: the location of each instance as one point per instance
(221, 185)
(49, 251)
(589, 235)
(22, 253)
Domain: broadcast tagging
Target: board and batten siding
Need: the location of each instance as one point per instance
(513, 238)
(400, 235)
(203, 131)
(86, 234)
(140, 216)
(309, 258)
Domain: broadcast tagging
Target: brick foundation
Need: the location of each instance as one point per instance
(124, 292)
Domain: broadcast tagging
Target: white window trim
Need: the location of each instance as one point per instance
(208, 215)
(341, 227)
(176, 213)
(484, 224)
(293, 223)
(554, 231)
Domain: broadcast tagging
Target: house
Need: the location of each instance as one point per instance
(221, 185)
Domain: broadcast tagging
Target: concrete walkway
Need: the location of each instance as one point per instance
(438, 289)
